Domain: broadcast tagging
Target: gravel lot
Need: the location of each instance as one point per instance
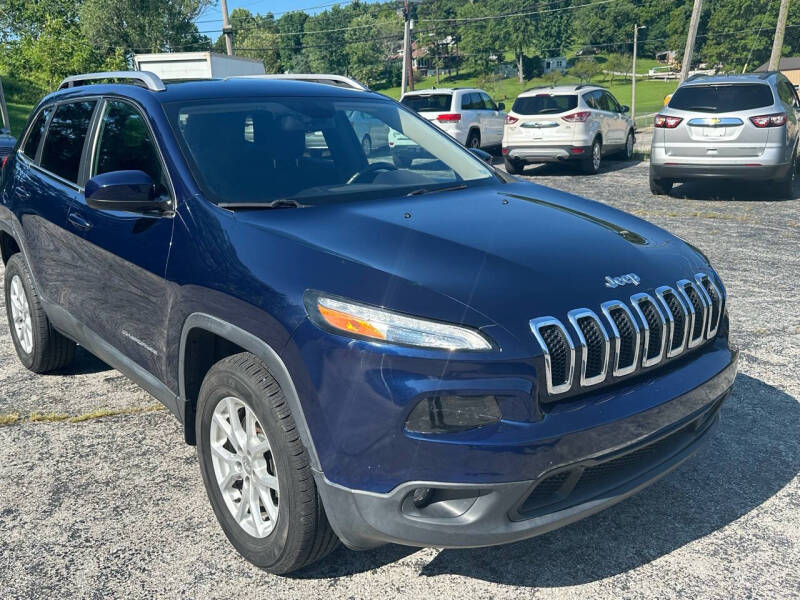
(114, 506)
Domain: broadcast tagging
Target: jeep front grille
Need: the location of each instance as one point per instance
(630, 336)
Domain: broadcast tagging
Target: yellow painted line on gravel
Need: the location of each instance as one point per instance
(37, 417)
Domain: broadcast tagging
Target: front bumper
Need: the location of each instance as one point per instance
(590, 469)
(550, 153)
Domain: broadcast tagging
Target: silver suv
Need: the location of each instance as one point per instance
(579, 123)
(733, 126)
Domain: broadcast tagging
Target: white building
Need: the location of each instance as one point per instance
(554, 63)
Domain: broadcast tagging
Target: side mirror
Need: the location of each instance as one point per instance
(128, 191)
(501, 106)
(483, 155)
(625, 109)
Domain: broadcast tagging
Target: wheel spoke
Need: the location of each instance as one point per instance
(266, 481)
(255, 509)
(260, 448)
(236, 427)
(266, 500)
(220, 452)
(243, 503)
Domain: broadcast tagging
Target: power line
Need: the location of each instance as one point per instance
(518, 14)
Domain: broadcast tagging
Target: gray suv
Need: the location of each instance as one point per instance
(741, 127)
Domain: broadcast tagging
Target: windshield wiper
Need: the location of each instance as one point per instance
(280, 203)
(422, 191)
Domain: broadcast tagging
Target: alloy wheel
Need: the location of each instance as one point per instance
(21, 315)
(629, 146)
(596, 156)
(244, 467)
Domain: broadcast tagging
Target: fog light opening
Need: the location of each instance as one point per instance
(422, 497)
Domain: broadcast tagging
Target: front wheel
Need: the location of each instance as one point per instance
(256, 469)
(627, 152)
(513, 167)
(660, 187)
(39, 347)
(591, 164)
(366, 145)
(474, 139)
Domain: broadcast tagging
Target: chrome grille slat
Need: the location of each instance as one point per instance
(677, 317)
(641, 305)
(630, 335)
(609, 309)
(537, 327)
(586, 323)
(695, 332)
(714, 297)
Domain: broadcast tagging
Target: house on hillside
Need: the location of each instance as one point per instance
(789, 66)
(554, 63)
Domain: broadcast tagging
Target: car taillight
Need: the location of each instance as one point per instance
(449, 117)
(578, 117)
(776, 120)
(511, 120)
(666, 122)
(3, 162)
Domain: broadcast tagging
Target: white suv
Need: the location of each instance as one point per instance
(467, 114)
(570, 122)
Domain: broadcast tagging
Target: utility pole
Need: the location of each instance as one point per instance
(780, 29)
(636, 29)
(690, 39)
(406, 47)
(227, 30)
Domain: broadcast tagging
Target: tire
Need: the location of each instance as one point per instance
(591, 165)
(366, 146)
(400, 161)
(473, 139)
(297, 532)
(40, 347)
(660, 187)
(627, 151)
(513, 167)
(784, 188)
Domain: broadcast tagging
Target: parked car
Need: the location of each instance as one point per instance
(433, 355)
(739, 127)
(7, 143)
(580, 123)
(467, 114)
(588, 51)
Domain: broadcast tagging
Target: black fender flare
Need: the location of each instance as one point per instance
(265, 353)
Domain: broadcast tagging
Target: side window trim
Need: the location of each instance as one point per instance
(94, 132)
(55, 106)
(38, 154)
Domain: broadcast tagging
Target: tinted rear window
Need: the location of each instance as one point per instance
(63, 144)
(544, 104)
(432, 103)
(36, 131)
(722, 98)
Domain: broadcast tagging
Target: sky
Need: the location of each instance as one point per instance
(210, 21)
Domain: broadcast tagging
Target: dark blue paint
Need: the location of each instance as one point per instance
(491, 257)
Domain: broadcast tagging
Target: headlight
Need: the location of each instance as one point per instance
(367, 322)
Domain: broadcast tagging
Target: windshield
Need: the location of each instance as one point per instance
(722, 98)
(314, 151)
(429, 102)
(543, 104)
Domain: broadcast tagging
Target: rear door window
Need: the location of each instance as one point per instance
(611, 102)
(36, 132)
(488, 103)
(428, 103)
(786, 93)
(543, 104)
(125, 144)
(63, 144)
(722, 98)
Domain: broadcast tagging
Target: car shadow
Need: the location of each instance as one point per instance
(84, 363)
(729, 191)
(570, 169)
(750, 458)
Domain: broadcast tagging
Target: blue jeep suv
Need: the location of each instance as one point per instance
(431, 354)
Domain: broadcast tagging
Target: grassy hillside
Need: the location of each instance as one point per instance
(649, 94)
(18, 115)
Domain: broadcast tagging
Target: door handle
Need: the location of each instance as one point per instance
(22, 193)
(79, 222)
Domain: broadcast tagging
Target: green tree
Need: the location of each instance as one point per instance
(585, 69)
(290, 47)
(367, 55)
(144, 25)
(617, 63)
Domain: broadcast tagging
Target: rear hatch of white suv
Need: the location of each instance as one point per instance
(543, 118)
(435, 107)
(716, 121)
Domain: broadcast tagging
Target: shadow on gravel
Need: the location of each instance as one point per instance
(85, 363)
(571, 169)
(752, 456)
(726, 191)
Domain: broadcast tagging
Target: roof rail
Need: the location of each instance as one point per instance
(538, 87)
(697, 76)
(150, 80)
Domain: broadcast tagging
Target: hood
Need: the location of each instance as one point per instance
(510, 252)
